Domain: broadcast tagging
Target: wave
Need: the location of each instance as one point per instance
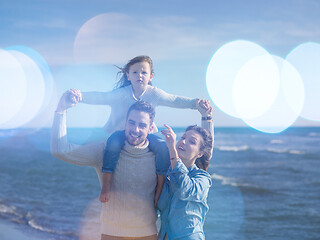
(32, 223)
(244, 187)
(284, 150)
(233, 148)
(276, 150)
(276, 141)
(296, 152)
(228, 181)
(314, 134)
(9, 210)
(224, 180)
(19, 216)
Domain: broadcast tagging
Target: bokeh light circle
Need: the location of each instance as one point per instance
(256, 87)
(286, 106)
(223, 69)
(306, 59)
(34, 91)
(13, 87)
(90, 222)
(44, 114)
(102, 36)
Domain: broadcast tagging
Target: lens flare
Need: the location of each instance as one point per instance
(34, 91)
(13, 87)
(103, 39)
(287, 104)
(223, 70)
(48, 88)
(306, 59)
(90, 223)
(256, 87)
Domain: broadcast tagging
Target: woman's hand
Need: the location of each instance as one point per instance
(69, 99)
(171, 144)
(205, 108)
(170, 137)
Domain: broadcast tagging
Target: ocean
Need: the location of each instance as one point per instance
(265, 186)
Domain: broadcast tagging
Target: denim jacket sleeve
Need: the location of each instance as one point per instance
(190, 186)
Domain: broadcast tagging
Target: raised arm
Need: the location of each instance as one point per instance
(100, 98)
(174, 101)
(85, 155)
(205, 109)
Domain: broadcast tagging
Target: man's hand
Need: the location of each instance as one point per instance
(69, 99)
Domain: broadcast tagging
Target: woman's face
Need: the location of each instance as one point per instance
(188, 147)
(140, 75)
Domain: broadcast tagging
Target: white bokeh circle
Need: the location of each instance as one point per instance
(286, 106)
(110, 38)
(13, 87)
(255, 87)
(223, 69)
(306, 59)
(47, 87)
(35, 91)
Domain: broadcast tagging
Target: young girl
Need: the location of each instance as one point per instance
(134, 85)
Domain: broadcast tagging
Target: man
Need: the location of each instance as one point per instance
(130, 211)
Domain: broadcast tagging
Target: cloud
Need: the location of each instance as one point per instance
(115, 37)
(50, 24)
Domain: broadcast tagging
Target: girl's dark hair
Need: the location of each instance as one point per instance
(122, 74)
(206, 146)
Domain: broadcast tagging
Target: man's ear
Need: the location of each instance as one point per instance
(150, 129)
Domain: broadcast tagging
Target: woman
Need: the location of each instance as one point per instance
(183, 201)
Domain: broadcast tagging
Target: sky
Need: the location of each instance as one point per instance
(213, 50)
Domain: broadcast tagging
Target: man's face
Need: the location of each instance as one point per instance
(137, 128)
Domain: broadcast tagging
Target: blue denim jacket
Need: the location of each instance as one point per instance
(183, 202)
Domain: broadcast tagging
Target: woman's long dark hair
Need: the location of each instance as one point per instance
(122, 74)
(206, 146)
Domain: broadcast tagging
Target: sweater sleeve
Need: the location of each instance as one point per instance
(189, 188)
(100, 98)
(84, 155)
(174, 101)
(208, 125)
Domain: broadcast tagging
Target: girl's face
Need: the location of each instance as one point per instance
(140, 75)
(188, 147)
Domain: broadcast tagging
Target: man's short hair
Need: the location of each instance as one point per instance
(142, 106)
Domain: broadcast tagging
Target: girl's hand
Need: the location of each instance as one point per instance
(170, 137)
(69, 99)
(205, 108)
(75, 96)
